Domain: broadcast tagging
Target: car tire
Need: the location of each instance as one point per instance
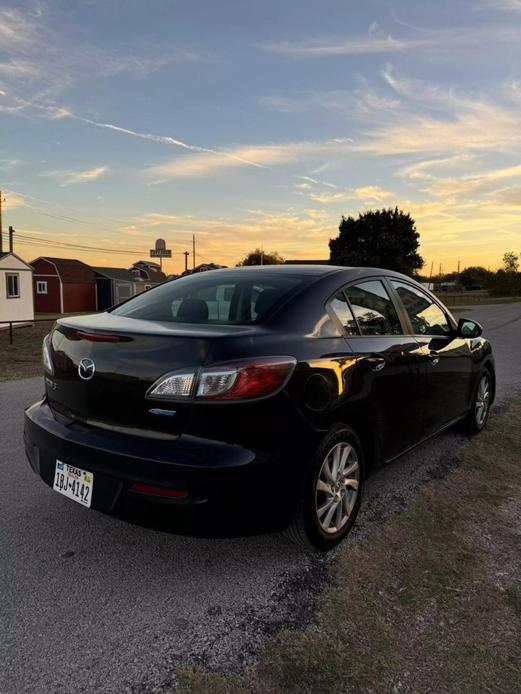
(479, 411)
(331, 492)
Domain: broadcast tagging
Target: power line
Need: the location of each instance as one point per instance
(64, 245)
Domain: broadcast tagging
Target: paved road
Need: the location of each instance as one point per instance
(91, 604)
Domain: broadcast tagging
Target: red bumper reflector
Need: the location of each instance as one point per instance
(156, 491)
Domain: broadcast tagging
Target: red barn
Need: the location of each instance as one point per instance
(62, 285)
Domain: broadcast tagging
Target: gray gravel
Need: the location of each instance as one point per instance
(91, 604)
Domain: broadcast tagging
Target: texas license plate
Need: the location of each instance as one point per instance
(73, 482)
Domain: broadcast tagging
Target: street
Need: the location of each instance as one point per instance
(93, 604)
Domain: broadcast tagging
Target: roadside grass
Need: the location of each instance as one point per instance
(23, 358)
(468, 298)
(431, 602)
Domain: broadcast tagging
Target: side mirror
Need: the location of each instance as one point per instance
(469, 328)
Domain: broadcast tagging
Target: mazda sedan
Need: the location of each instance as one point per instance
(264, 392)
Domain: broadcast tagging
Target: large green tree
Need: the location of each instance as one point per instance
(260, 257)
(380, 238)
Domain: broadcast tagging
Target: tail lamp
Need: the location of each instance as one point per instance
(241, 380)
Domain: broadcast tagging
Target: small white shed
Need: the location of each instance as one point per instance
(16, 290)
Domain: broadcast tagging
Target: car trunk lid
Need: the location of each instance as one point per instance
(124, 357)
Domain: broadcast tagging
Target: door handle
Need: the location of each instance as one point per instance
(434, 358)
(375, 363)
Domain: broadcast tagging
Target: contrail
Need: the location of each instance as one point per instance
(165, 139)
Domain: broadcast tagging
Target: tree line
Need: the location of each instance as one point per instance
(388, 238)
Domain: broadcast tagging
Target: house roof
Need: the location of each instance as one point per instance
(117, 273)
(71, 271)
(156, 277)
(5, 254)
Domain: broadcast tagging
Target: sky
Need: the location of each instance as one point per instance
(259, 123)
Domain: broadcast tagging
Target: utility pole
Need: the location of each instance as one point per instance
(1, 237)
(458, 266)
(430, 276)
(186, 254)
(11, 234)
(193, 251)
(440, 272)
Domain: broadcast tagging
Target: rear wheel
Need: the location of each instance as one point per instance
(478, 414)
(332, 492)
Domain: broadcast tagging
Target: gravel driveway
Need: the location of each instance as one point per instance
(92, 604)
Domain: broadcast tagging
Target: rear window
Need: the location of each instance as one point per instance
(211, 298)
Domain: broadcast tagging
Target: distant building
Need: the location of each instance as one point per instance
(16, 289)
(63, 285)
(114, 285)
(306, 262)
(148, 271)
(204, 267)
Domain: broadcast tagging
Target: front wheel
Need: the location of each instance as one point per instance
(332, 492)
(480, 408)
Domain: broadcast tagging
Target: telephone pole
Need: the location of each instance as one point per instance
(193, 252)
(186, 254)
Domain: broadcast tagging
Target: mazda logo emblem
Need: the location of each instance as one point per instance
(86, 369)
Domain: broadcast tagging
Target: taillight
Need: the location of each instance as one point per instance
(240, 380)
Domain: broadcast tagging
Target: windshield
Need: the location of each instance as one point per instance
(211, 297)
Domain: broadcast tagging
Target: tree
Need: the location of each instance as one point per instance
(510, 262)
(260, 257)
(476, 277)
(379, 238)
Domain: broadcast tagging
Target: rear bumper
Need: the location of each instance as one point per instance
(211, 472)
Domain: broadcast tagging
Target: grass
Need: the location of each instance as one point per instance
(431, 602)
(478, 298)
(23, 358)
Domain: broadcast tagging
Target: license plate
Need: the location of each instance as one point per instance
(73, 482)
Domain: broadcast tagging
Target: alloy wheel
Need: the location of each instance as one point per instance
(482, 403)
(337, 487)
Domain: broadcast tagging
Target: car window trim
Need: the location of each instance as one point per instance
(397, 307)
(450, 319)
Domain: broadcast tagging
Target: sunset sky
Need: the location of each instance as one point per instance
(259, 123)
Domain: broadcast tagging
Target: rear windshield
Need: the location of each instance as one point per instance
(211, 297)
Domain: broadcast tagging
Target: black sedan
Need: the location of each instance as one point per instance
(264, 392)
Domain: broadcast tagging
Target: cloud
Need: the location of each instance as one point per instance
(504, 5)
(67, 177)
(40, 65)
(466, 185)
(369, 194)
(262, 156)
(373, 193)
(12, 201)
(439, 120)
(421, 169)
(327, 198)
(376, 41)
(435, 44)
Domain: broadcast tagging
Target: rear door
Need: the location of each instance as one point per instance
(446, 360)
(384, 386)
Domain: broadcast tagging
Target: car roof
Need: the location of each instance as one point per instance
(314, 271)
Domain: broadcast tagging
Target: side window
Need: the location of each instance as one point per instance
(341, 309)
(373, 309)
(426, 317)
